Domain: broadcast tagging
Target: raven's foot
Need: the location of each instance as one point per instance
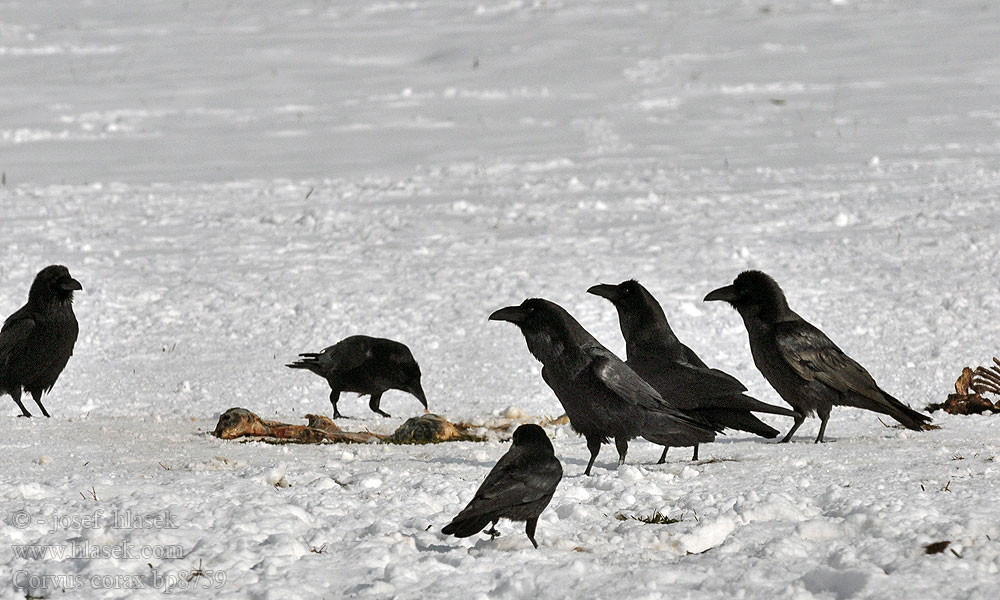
(24, 411)
(493, 533)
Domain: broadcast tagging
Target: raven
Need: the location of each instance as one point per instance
(676, 372)
(366, 366)
(602, 396)
(37, 340)
(806, 369)
(519, 487)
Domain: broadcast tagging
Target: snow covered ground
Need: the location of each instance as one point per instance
(234, 185)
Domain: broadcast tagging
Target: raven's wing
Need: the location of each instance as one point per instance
(521, 476)
(691, 358)
(626, 384)
(689, 380)
(678, 365)
(345, 355)
(814, 357)
(14, 337)
(622, 381)
(691, 388)
(722, 381)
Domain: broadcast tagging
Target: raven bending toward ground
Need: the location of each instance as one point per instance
(37, 340)
(367, 366)
(806, 369)
(602, 396)
(519, 487)
(676, 372)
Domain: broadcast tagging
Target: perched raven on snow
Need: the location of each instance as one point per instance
(676, 372)
(37, 340)
(366, 366)
(806, 369)
(602, 396)
(518, 488)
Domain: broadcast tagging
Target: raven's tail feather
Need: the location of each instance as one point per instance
(309, 361)
(677, 429)
(758, 406)
(465, 527)
(742, 420)
(908, 417)
(744, 402)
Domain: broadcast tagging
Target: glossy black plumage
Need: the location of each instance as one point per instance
(603, 398)
(676, 372)
(803, 365)
(367, 366)
(519, 487)
(37, 340)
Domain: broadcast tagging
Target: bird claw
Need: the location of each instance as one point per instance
(493, 533)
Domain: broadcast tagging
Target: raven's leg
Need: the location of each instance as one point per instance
(334, 398)
(37, 395)
(594, 445)
(15, 393)
(373, 404)
(695, 457)
(824, 416)
(529, 528)
(663, 457)
(492, 531)
(621, 443)
(799, 417)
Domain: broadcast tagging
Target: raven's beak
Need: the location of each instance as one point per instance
(418, 391)
(70, 284)
(511, 314)
(605, 290)
(725, 294)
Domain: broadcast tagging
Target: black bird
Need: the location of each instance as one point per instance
(37, 340)
(367, 366)
(519, 487)
(806, 369)
(602, 396)
(676, 372)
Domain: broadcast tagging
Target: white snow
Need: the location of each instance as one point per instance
(234, 184)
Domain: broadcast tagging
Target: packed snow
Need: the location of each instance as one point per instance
(236, 184)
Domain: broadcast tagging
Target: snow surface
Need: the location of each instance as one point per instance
(235, 184)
